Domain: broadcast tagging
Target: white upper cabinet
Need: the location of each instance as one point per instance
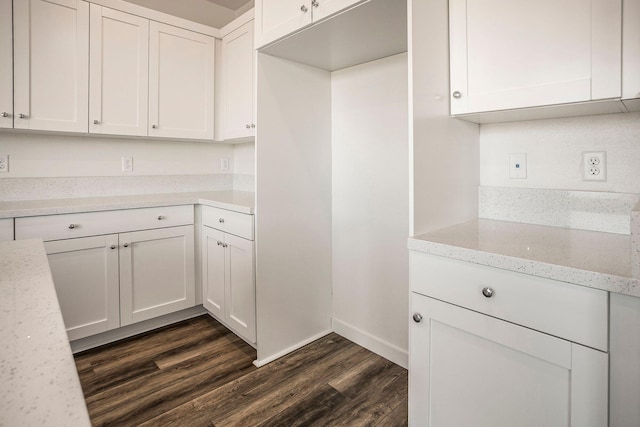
(631, 53)
(6, 65)
(324, 8)
(51, 46)
(510, 54)
(119, 73)
(238, 67)
(181, 80)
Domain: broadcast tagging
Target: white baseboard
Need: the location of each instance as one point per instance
(135, 329)
(382, 348)
(264, 361)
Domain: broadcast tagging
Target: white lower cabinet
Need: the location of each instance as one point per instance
(111, 280)
(228, 281)
(470, 368)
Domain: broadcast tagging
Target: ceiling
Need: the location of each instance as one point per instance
(230, 4)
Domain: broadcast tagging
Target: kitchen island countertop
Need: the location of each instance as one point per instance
(39, 383)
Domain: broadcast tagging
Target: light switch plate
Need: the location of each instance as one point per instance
(518, 166)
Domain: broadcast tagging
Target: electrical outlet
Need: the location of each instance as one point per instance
(594, 166)
(4, 163)
(224, 163)
(127, 164)
(518, 166)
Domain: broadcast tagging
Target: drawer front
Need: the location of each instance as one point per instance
(68, 226)
(572, 312)
(6, 229)
(228, 221)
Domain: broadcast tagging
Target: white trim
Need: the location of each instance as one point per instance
(135, 329)
(372, 343)
(248, 16)
(162, 17)
(261, 362)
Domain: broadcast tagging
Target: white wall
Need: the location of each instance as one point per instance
(244, 158)
(40, 155)
(370, 205)
(554, 152)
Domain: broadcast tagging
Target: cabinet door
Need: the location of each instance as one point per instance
(471, 369)
(6, 64)
(326, 8)
(156, 273)
(238, 62)
(51, 63)
(240, 286)
(119, 73)
(631, 49)
(85, 274)
(180, 83)
(508, 54)
(277, 18)
(213, 271)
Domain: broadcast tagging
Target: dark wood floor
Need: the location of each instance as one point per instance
(197, 373)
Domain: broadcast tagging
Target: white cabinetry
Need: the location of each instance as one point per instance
(631, 54)
(6, 64)
(509, 54)
(51, 59)
(6, 229)
(278, 18)
(181, 80)
(119, 73)
(108, 274)
(490, 347)
(238, 63)
(85, 273)
(228, 272)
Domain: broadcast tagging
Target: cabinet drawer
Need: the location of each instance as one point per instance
(67, 226)
(228, 221)
(572, 312)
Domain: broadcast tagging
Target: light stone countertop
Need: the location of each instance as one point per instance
(239, 201)
(587, 258)
(39, 383)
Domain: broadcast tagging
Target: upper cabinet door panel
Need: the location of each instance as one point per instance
(51, 45)
(277, 18)
(238, 56)
(509, 54)
(631, 50)
(6, 64)
(324, 8)
(181, 78)
(119, 73)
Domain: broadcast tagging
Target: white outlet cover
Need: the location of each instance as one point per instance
(127, 164)
(224, 163)
(594, 166)
(518, 166)
(4, 163)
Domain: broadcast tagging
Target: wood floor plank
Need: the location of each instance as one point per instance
(198, 374)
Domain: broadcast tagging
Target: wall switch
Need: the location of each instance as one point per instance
(518, 166)
(4, 163)
(594, 165)
(224, 163)
(127, 164)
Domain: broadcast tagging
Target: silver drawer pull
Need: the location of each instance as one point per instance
(160, 217)
(221, 220)
(72, 226)
(219, 243)
(487, 292)
(224, 245)
(126, 245)
(417, 317)
(113, 246)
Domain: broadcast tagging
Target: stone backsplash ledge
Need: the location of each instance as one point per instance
(14, 189)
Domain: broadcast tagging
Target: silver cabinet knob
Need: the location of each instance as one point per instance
(113, 246)
(126, 245)
(72, 226)
(314, 3)
(22, 116)
(248, 126)
(224, 245)
(457, 95)
(417, 317)
(96, 122)
(253, 125)
(304, 9)
(487, 292)
(5, 114)
(154, 126)
(160, 217)
(221, 220)
(219, 243)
